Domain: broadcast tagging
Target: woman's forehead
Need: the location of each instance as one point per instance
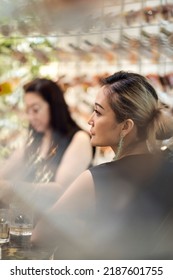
(101, 95)
(102, 99)
(32, 97)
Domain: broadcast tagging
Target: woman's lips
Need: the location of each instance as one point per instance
(92, 133)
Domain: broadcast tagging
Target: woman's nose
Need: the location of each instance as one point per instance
(30, 117)
(90, 121)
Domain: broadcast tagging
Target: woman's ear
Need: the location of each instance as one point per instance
(127, 127)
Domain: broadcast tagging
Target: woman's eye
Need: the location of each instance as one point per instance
(97, 112)
(32, 110)
(35, 111)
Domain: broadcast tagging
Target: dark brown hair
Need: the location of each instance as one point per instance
(52, 93)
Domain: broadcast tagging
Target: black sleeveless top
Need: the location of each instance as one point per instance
(134, 208)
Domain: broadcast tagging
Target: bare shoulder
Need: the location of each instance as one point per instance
(79, 194)
(76, 158)
(83, 182)
(81, 135)
(85, 186)
(85, 177)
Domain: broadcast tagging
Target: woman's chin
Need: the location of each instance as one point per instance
(94, 143)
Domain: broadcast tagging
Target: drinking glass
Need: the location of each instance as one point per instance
(21, 224)
(4, 226)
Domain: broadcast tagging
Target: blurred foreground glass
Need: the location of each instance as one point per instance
(21, 225)
(4, 226)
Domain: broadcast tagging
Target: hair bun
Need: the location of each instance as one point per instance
(165, 131)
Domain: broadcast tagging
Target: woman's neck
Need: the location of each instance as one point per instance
(46, 143)
(137, 148)
(48, 134)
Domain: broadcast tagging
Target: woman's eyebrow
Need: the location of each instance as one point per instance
(34, 104)
(97, 104)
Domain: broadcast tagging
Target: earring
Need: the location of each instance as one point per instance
(119, 148)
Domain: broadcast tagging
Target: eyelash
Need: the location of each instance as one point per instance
(33, 110)
(36, 110)
(97, 112)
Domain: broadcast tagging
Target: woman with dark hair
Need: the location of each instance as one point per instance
(120, 209)
(57, 149)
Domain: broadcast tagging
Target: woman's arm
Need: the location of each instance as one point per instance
(39, 196)
(66, 221)
(76, 159)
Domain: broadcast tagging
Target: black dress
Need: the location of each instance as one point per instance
(134, 209)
